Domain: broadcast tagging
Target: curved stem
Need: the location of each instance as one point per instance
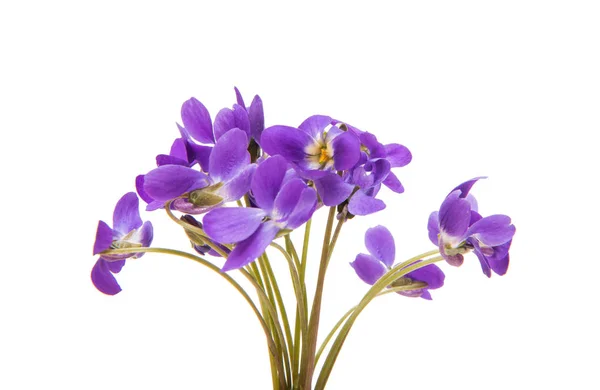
(392, 275)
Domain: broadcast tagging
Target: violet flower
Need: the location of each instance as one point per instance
(229, 177)
(380, 244)
(128, 232)
(284, 201)
(458, 228)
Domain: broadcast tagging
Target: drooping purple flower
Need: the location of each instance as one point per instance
(128, 231)
(380, 244)
(229, 177)
(458, 228)
(284, 202)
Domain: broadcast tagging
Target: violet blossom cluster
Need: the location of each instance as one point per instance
(281, 175)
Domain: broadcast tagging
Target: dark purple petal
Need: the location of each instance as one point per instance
(332, 189)
(170, 181)
(315, 125)
(257, 118)
(499, 252)
(500, 266)
(139, 187)
(238, 186)
(430, 274)
(465, 187)
(115, 266)
(398, 155)
(126, 216)
(391, 181)
(376, 149)
(165, 159)
(380, 243)
(346, 151)
(426, 295)
(287, 141)
(228, 225)
(267, 181)
(379, 168)
(248, 250)
(454, 215)
(304, 209)
(197, 122)
(286, 199)
(493, 230)
(363, 204)
(433, 228)
(368, 268)
(485, 265)
(229, 155)
(227, 119)
(104, 237)
(179, 149)
(201, 154)
(238, 97)
(103, 279)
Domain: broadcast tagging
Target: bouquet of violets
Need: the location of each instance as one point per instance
(252, 186)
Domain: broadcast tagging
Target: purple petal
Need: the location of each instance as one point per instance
(346, 151)
(430, 274)
(485, 265)
(185, 206)
(493, 230)
(304, 209)
(238, 97)
(363, 204)
(257, 118)
(104, 237)
(287, 198)
(228, 225)
(454, 215)
(170, 181)
(368, 268)
(379, 168)
(454, 260)
(380, 243)
(229, 155)
(465, 187)
(433, 228)
(196, 121)
(139, 187)
(126, 216)
(115, 266)
(315, 125)
(391, 181)
(201, 154)
(500, 266)
(248, 250)
(145, 236)
(287, 141)
(179, 149)
(238, 186)
(332, 189)
(165, 159)
(398, 155)
(267, 181)
(426, 295)
(376, 149)
(103, 279)
(227, 119)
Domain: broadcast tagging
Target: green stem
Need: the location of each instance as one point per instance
(396, 272)
(308, 357)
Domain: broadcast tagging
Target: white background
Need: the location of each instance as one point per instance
(89, 94)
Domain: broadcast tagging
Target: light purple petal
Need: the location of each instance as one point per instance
(315, 125)
(229, 155)
(257, 118)
(346, 151)
(430, 274)
(227, 119)
(238, 186)
(376, 149)
(368, 268)
(238, 97)
(287, 198)
(267, 181)
(465, 187)
(379, 168)
(287, 141)
(103, 279)
(433, 228)
(380, 243)
(248, 250)
(391, 181)
(304, 209)
(228, 225)
(493, 230)
(332, 189)
(398, 155)
(426, 295)
(115, 266)
(104, 237)
(363, 204)
(145, 234)
(154, 205)
(483, 261)
(197, 122)
(500, 266)
(454, 215)
(170, 181)
(126, 216)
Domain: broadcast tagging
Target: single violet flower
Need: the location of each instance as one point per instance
(284, 202)
(380, 244)
(458, 228)
(128, 232)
